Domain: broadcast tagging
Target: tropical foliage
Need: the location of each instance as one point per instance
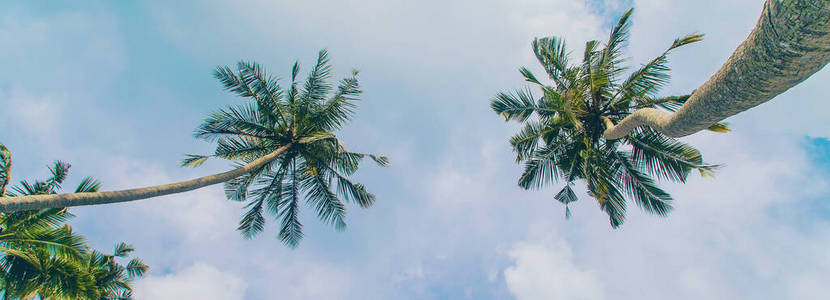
(43, 257)
(315, 167)
(562, 136)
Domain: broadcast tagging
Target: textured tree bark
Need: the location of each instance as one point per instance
(78, 199)
(790, 42)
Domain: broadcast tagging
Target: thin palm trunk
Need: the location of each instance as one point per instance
(790, 42)
(78, 199)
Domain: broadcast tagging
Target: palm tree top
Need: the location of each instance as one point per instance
(301, 119)
(563, 135)
(43, 257)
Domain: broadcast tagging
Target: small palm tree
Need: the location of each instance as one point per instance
(313, 165)
(40, 250)
(563, 135)
(44, 258)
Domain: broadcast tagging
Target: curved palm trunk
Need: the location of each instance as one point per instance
(78, 199)
(790, 42)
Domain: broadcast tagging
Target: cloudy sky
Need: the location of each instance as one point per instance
(117, 87)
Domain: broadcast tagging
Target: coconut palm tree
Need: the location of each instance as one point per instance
(297, 124)
(40, 252)
(790, 42)
(44, 258)
(283, 142)
(562, 136)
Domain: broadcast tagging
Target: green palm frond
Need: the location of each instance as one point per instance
(36, 219)
(136, 268)
(550, 52)
(526, 142)
(664, 157)
(542, 169)
(88, 185)
(266, 196)
(528, 75)
(611, 54)
(340, 107)
(291, 231)
(234, 121)
(122, 250)
(380, 160)
(518, 105)
(59, 171)
(253, 221)
(652, 76)
(193, 160)
(242, 148)
(329, 208)
(316, 86)
(265, 90)
(642, 188)
(608, 193)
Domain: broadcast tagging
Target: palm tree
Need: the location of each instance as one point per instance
(283, 143)
(40, 250)
(562, 136)
(789, 44)
(44, 258)
(296, 123)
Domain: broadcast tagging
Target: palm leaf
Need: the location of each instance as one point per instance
(518, 106)
(88, 185)
(550, 52)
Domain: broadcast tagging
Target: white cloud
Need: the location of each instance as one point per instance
(35, 116)
(198, 281)
(546, 270)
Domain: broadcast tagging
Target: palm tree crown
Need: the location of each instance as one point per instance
(314, 165)
(43, 257)
(562, 139)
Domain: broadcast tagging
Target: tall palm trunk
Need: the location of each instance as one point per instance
(77, 199)
(790, 42)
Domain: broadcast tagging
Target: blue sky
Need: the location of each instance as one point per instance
(116, 88)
